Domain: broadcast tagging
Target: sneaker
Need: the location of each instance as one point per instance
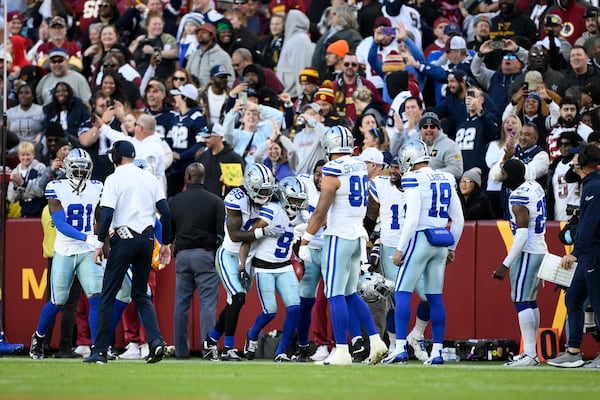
(378, 351)
(523, 360)
(144, 350)
(83, 351)
(395, 358)
(67, 354)
(321, 354)
(331, 354)
(36, 351)
(418, 346)
(7, 348)
(434, 360)
(250, 347)
(157, 353)
(303, 355)
(595, 363)
(230, 355)
(339, 357)
(210, 351)
(567, 360)
(169, 351)
(359, 350)
(281, 358)
(112, 354)
(97, 357)
(132, 353)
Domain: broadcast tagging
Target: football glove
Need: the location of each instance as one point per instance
(304, 254)
(273, 231)
(245, 280)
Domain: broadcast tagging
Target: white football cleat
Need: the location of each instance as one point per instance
(144, 350)
(339, 357)
(84, 351)
(378, 351)
(523, 360)
(132, 353)
(321, 354)
(418, 346)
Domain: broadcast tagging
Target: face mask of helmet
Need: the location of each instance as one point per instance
(259, 183)
(78, 168)
(293, 196)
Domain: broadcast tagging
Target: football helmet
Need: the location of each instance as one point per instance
(373, 286)
(338, 140)
(292, 195)
(78, 167)
(413, 152)
(259, 183)
(143, 164)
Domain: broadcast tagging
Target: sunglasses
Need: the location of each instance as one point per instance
(57, 60)
(429, 126)
(465, 181)
(347, 64)
(509, 57)
(179, 78)
(564, 144)
(109, 65)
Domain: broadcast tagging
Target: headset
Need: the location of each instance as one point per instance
(115, 155)
(586, 158)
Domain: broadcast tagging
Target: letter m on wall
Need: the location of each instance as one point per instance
(29, 281)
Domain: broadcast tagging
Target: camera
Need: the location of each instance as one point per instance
(300, 120)
(157, 54)
(471, 93)
(496, 45)
(572, 209)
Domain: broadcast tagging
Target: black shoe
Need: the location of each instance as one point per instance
(360, 351)
(111, 354)
(36, 350)
(97, 357)
(303, 354)
(210, 350)
(157, 353)
(67, 354)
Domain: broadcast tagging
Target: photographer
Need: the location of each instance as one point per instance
(310, 130)
(586, 253)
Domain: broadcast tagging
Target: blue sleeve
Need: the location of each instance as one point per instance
(434, 72)
(60, 221)
(491, 130)
(158, 230)
(165, 220)
(374, 61)
(416, 52)
(587, 234)
(229, 104)
(191, 152)
(106, 216)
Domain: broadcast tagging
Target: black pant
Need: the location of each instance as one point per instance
(136, 252)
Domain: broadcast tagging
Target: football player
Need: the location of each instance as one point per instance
(242, 206)
(341, 207)
(527, 203)
(272, 265)
(431, 200)
(72, 203)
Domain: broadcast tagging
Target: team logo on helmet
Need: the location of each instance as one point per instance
(259, 183)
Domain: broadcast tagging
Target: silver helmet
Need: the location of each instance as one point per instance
(259, 183)
(78, 167)
(373, 286)
(413, 152)
(338, 140)
(293, 195)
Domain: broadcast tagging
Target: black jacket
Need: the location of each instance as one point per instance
(212, 179)
(197, 219)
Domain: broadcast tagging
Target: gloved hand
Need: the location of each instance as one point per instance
(245, 279)
(91, 240)
(304, 254)
(299, 231)
(273, 230)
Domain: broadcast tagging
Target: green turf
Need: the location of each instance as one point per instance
(22, 378)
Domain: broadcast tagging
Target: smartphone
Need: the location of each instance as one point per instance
(110, 103)
(526, 87)
(496, 45)
(243, 96)
(388, 31)
(470, 93)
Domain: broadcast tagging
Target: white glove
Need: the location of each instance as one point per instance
(92, 240)
(304, 253)
(299, 231)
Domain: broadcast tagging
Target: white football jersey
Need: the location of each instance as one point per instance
(438, 190)
(238, 200)
(313, 199)
(345, 216)
(531, 195)
(564, 193)
(80, 212)
(275, 249)
(391, 208)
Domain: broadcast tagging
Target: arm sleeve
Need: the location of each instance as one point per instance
(165, 220)
(106, 216)
(519, 242)
(60, 221)
(158, 230)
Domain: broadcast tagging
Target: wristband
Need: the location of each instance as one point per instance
(308, 236)
(258, 233)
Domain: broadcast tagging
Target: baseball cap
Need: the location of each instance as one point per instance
(371, 154)
(455, 43)
(158, 85)
(452, 29)
(125, 148)
(217, 130)
(219, 71)
(440, 20)
(553, 20)
(188, 90)
(14, 15)
(58, 20)
(589, 12)
(58, 52)
(208, 27)
(430, 118)
(314, 106)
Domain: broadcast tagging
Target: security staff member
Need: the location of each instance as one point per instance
(586, 281)
(198, 232)
(130, 199)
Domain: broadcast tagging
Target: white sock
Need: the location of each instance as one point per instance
(419, 329)
(529, 330)
(374, 337)
(400, 345)
(436, 350)
(536, 314)
(342, 347)
(392, 337)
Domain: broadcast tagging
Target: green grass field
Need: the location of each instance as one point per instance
(22, 378)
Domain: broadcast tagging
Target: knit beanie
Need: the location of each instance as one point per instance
(325, 92)
(309, 75)
(393, 63)
(474, 174)
(340, 48)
